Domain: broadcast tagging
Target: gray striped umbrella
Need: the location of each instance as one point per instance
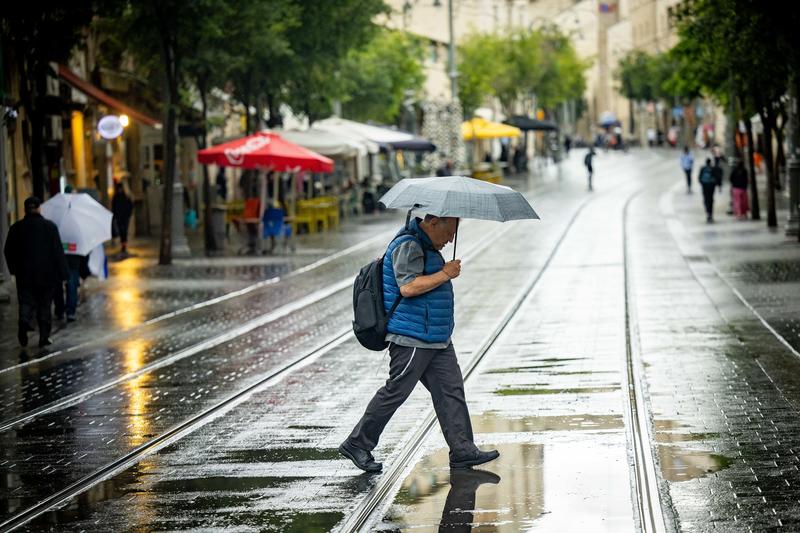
(459, 196)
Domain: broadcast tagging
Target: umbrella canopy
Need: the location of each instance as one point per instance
(265, 150)
(82, 222)
(414, 144)
(459, 196)
(608, 119)
(531, 124)
(324, 143)
(386, 138)
(480, 128)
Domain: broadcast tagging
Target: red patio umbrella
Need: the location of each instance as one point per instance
(265, 150)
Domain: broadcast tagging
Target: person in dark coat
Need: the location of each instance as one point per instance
(35, 256)
(122, 207)
(587, 162)
(739, 191)
(709, 184)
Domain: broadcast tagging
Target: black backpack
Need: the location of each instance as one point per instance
(369, 318)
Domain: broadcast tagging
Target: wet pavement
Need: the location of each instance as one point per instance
(715, 312)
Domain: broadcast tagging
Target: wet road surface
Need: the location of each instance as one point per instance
(550, 393)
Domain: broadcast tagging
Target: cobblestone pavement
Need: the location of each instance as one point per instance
(550, 394)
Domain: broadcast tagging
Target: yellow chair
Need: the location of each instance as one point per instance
(309, 210)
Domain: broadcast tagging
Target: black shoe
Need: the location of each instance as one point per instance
(22, 337)
(478, 458)
(44, 342)
(361, 458)
(71, 318)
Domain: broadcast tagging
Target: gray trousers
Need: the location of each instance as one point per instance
(439, 372)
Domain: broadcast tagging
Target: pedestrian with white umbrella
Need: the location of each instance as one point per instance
(83, 224)
(418, 310)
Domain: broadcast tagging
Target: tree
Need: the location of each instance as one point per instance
(526, 66)
(168, 29)
(204, 69)
(478, 65)
(40, 33)
(328, 33)
(377, 78)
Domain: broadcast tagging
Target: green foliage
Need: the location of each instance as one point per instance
(329, 31)
(519, 66)
(376, 79)
(479, 65)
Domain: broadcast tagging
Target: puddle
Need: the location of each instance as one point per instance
(221, 483)
(664, 437)
(244, 519)
(519, 391)
(522, 369)
(494, 423)
(531, 487)
(279, 455)
(662, 424)
(680, 464)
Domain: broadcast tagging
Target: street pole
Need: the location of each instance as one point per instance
(5, 276)
(793, 165)
(451, 54)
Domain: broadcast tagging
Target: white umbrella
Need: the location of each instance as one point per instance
(83, 223)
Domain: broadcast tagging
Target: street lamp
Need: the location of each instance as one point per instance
(451, 51)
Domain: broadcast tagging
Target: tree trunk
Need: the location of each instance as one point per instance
(274, 113)
(170, 138)
(768, 121)
(208, 228)
(631, 121)
(780, 157)
(754, 207)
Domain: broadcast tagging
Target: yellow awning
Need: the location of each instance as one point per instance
(480, 128)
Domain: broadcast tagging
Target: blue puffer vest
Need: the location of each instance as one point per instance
(427, 317)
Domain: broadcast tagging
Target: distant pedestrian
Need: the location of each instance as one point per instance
(716, 171)
(122, 207)
(739, 191)
(687, 162)
(567, 144)
(651, 137)
(418, 280)
(222, 184)
(446, 169)
(587, 161)
(35, 256)
(709, 184)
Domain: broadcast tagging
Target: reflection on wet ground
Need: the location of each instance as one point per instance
(681, 464)
(538, 484)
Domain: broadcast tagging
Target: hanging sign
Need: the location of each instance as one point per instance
(110, 127)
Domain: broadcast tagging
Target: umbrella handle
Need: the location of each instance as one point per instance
(455, 240)
(408, 215)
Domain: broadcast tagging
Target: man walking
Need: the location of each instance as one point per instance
(587, 161)
(35, 255)
(687, 162)
(709, 184)
(420, 348)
